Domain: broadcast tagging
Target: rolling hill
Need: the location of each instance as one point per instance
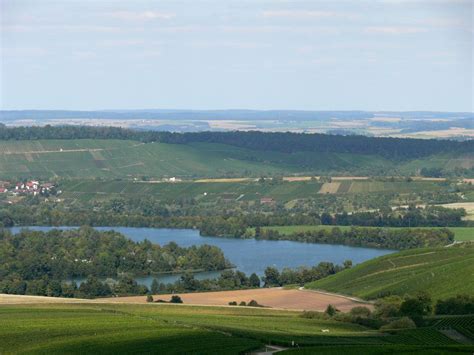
(443, 272)
(127, 159)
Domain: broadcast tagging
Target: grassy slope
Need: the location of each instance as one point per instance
(108, 328)
(116, 158)
(460, 233)
(443, 272)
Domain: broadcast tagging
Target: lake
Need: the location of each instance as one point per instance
(248, 255)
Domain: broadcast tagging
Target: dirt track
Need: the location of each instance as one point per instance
(272, 297)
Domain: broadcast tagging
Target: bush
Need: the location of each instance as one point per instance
(360, 311)
(460, 304)
(232, 303)
(402, 323)
(242, 303)
(149, 298)
(417, 306)
(176, 299)
(313, 315)
(254, 303)
(388, 307)
(331, 310)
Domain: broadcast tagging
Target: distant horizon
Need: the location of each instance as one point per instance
(229, 109)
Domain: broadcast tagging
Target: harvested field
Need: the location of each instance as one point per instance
(290, 299)
(330, 188)
(342, 178)
(298, 178)
(468, 206)
(225, 180)
(23, 299)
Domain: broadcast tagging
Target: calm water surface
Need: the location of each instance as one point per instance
(248, 255)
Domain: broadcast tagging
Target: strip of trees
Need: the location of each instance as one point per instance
(390, 148)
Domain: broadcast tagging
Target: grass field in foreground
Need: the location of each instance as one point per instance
(443, 272)
(177, 329)
(460, 233)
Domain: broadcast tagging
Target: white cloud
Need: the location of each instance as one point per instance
(141, 16)
(23, 51)
(394, 30)
(233, 44)
(84, 55)
(298, 14)
(62, 28)
(285, 29)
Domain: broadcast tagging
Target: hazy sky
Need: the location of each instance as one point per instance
(218, 54)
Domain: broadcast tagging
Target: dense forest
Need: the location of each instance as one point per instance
(367, 237)
(390, 148)
(83, 252)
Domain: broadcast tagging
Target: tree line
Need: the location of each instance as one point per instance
(391, 148)
(366, 237)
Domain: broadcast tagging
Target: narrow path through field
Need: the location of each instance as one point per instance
(55, 151)
(269, 349)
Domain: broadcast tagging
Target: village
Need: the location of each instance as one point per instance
(29, 187)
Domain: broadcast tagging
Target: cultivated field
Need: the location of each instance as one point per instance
(443, 272)
(178, 329)
(230, 190)
(290, 299)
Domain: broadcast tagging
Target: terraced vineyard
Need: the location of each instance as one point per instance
(443, 272)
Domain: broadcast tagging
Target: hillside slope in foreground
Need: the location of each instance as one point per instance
(442, 272)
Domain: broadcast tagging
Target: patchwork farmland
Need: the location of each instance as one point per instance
(233, 190)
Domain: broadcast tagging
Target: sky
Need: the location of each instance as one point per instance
(397, 55)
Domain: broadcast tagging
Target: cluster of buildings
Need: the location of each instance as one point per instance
(33, 187)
